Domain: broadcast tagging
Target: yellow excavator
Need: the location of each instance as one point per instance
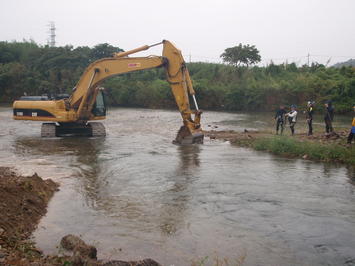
(70, 115)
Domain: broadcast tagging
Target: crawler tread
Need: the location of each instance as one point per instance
(48, 130)
(97, 129)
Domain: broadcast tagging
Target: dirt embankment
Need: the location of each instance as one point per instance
(23, 201)
(233, 136)
(247, 136)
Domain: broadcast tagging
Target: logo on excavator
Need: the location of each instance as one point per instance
(134, 65)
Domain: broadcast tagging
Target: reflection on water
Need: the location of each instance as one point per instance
(176, 198)
(134, 194)
(351, 174)
(189, 158)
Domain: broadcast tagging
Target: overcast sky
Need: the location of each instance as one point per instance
(280, 29)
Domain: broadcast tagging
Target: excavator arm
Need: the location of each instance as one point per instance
(84, 93)
(177, 76)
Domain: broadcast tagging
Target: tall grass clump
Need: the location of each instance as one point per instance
(288, 146)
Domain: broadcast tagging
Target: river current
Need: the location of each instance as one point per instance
(136, 195)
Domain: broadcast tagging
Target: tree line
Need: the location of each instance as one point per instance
(26, 67)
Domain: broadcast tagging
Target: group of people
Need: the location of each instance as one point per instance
(282, 116)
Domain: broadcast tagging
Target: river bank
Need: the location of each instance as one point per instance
(318, 147)
(23, 202)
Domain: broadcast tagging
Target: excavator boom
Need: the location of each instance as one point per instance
(74, 112)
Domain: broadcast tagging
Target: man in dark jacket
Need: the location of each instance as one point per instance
(328, 117)
(309, 117)
(280, 119)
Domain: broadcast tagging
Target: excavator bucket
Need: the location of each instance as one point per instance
(185, 137)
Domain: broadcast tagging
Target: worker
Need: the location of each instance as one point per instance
(309, 117)
(280, 119)
(328, 117)
(352, 131)
(292, 118)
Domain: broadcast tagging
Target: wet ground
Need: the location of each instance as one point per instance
(135, 195)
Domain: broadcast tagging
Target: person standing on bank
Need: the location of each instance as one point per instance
(292, 118)
(328, 117)
(352, 131)
(280, 119)
(309, 117)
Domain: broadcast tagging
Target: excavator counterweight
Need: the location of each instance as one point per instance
(71, 115)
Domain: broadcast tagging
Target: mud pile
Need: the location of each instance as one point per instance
(23, 201)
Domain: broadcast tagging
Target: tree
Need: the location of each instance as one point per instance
(103, 50)
(241, 54)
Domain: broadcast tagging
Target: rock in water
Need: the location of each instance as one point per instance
(84, 254)
(69, 242)
(78, 246)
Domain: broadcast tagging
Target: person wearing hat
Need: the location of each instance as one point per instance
(328, 117)
(292, 118)
(280, 119)
(352, 131)
(309, 117)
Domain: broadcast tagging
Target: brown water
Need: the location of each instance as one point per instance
(135, 195)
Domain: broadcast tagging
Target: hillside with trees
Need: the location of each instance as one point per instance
(26, 67)
(350, 62)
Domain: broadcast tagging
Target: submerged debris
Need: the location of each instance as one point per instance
(83, 254)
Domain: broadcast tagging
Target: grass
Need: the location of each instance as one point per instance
(287, 146)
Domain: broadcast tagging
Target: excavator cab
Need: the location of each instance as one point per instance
(99, 108)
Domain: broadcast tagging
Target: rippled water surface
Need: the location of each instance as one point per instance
(135, 195)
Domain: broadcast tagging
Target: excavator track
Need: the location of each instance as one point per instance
(97, 129)
(48, 130)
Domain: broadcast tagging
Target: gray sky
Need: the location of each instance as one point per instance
(280, 29)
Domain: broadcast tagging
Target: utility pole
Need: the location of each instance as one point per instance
(51, 40)
(190, 58)
(308, 59)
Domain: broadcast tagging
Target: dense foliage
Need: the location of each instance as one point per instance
(27, 67)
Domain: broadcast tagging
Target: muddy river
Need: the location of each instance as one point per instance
(135, 195)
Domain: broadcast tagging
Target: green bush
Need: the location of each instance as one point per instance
(289, 146)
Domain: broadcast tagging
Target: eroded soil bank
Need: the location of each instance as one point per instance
(23, 201)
